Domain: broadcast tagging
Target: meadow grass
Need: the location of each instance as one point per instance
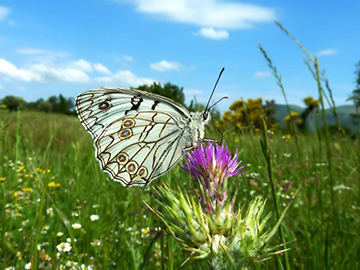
(51, 181)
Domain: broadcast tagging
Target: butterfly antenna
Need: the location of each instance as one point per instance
(212, 93)
(217, 102)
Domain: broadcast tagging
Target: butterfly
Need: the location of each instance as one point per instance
(139, 136)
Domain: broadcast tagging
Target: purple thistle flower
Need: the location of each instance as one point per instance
(204, 222)
(210, 167)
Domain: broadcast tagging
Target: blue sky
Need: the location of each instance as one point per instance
(53, 47)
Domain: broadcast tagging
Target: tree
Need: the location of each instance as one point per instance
(167, 90)
(60, 104)
(44, 106)
(14, 103)
(54, 101)
(356, 94)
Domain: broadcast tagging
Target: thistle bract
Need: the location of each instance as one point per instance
(204, 221)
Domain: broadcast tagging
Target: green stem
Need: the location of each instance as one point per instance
(280, 84)
(18, 139)
(327, 135)
(38, 228)
(264, 141)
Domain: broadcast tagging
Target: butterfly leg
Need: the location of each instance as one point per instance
(208, 140)
(188, 148)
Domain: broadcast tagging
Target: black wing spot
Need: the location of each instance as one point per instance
(156, 102)
(105, 105)
(135, 102)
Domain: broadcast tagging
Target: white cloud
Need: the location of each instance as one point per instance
(41, 72)
(122, 78)
(209, 32)
(50, 73)
(327, 52)
(208, 13)
(101, 68)
(128, 78)
(73, 72)
(128, 58)
(42, 55)
(11, 72)
(165, 66)
(4, 12)
(261, 74)
(83, 65)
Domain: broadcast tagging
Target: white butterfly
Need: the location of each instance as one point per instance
(138, 136)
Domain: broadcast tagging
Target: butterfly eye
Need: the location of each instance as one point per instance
(129, 123)
(142, 172)
(122, 158)
(105, 105)
(205, 115)
(131, 167)
(124, 134)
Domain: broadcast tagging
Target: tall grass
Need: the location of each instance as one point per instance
(128, 233)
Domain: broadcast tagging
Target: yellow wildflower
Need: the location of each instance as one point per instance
(26, 175)
(38, 170)
(300, 121)
(27, 189)
(314, 103)
(145, 232)
(21, 169)
(52, 184)
(227, 116)
(58, 185)
(293, 114)
(237, 104)
(287, 118)
(2, 179)
(308, 100)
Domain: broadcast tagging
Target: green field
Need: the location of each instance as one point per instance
(51, 184)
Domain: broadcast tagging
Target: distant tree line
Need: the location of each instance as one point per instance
(356, 95)
(61, 104)
(56, 104)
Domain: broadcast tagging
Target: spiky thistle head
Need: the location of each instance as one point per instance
(204, 221)
(210, 167)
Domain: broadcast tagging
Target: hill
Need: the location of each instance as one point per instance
(344, 114)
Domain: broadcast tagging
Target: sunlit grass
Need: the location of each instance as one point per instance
(49, 199)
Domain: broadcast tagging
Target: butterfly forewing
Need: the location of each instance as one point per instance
(98, 107)
(138, 136)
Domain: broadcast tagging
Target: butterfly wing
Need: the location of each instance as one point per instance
(97, 108)
(138, 136)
